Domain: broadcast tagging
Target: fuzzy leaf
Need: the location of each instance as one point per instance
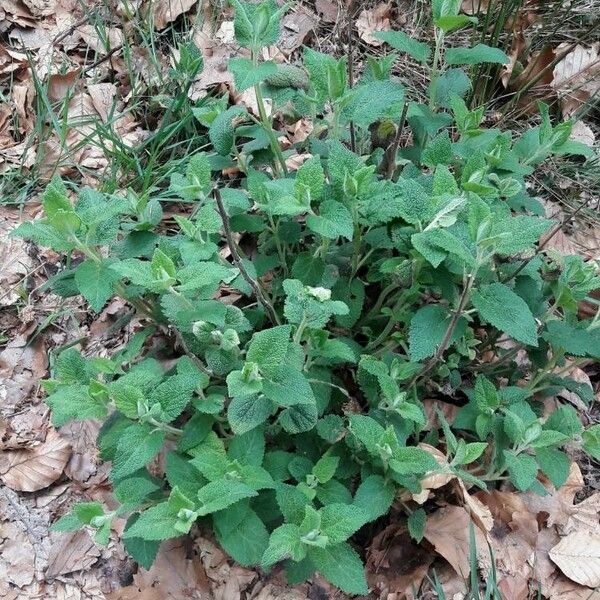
(481, 53)
(341, 566)
(501, 307)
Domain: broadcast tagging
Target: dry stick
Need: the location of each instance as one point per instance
(464, 298)
(260, 295)
(389, 158)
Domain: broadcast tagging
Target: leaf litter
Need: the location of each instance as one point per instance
(551, 541)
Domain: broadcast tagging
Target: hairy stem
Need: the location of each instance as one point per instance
(258, 292)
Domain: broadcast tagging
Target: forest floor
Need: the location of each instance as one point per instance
(81, 86)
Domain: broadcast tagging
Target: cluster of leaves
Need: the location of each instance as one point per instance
(295, 415)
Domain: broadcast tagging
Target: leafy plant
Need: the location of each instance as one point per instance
(295, 415)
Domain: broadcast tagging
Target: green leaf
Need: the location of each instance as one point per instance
(374, 497)
(325, 468)
(268, 348)
(341, 521)
(310, 176)
(400, 41)
(334, 220)
(522, 469)
(181, 473)
(246, 74)
(173, 395)
(487, 398)
(416, 524)
(74, 402)
(412, 461)
(288, 387)
(222, 129)
(591, 441)
(375, 101)
(451, 84)
(137, 445)
(475, 56)
(155, 523)
(198, 171)
(367, 430)
(573, 339)
(244, 413)
(142, 551)
(555, 464)
(241, 533)
(220, 494)
(299, 418)
(501, 307)
(341, 566)
(438, 151)
(248, 448)
(95, 281)
(428, 328)
(284, 543)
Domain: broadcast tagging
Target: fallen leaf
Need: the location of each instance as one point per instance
(578, 556)
(59, 85)
(103, 97)
(17, 558)
(583, 133)
(437, 479)
(15, 261)
(74, 551)
(396, 565)
(33, 469)
(448, 530)
(173, 576)
(295, 27)
(371, 20)
(166, 11)
(576, 76)
(328, 10)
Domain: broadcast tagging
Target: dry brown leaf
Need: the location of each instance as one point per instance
(328, 10)
(435, 480)
(295, 27)
(171, 577)
(103, 96)
(40, 8)
(74, 551)
(578, 556)
(371, 20)
(479, 512)
(59, 85)
(396, 565)
(17, 555)
(15, 261)
(33, 469)
(576, 76)
(583, 133)
(166, 11)
(448, 530)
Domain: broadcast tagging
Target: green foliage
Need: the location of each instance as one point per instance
(295, 416)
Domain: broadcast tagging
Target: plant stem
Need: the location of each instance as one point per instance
(267, 125)
(435, 68)
(258, 292)
(462, 303)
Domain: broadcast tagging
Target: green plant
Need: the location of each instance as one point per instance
(295, 414)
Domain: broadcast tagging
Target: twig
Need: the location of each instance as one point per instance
(464, 298)
(388, 164)
(260, 295)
